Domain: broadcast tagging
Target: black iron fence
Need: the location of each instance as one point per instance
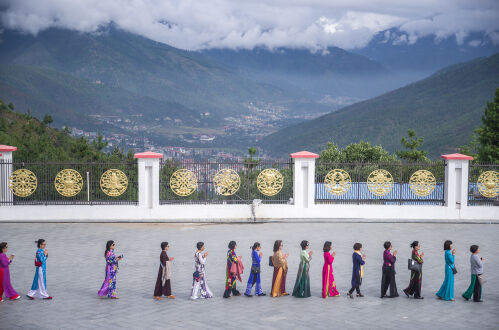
(483, 184)
(225, 182)
(25, 183)
(380, 183)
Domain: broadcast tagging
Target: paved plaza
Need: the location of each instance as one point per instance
(75, 271)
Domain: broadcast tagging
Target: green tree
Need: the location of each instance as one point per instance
(362, 152)
(411, 144)
(47, 119)
(488, 133)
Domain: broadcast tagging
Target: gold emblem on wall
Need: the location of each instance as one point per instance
(68, 182)
(488, 184)
(422, 183)
(113, 182)
(337, 182)
(183, 182)
(269, 182)
(380, 182)
(226, 182)
(23, 182)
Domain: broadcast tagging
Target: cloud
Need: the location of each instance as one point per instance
(313, 24)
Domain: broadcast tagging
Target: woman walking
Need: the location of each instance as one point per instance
(108, 288)
(446, 291)
(5, 285)
(328, 283)
(302, 284)
(39, 287)
(200, 289)
(280, 270)
(414, 287)
(475, 288)
(163, 287)
(254, 278)
(358, 260)
(231, 272)
(388, 272)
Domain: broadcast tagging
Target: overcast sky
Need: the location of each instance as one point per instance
(196, 24)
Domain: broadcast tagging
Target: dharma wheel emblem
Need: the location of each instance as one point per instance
(269, 182)
(488, 184)
(183, 182)
(23, 182)
(380, 182)
(226, 182)
(113, 182)
(422, 183)
(68, 182)
(337, 182)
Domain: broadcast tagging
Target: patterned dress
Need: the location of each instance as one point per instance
(109, 286)
(302, 284)
(230, 279)
(200, 287)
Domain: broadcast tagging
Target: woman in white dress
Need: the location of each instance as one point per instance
(200, 289)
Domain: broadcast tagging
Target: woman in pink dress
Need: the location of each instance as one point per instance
(328, 284)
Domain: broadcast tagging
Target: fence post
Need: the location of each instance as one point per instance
(148, 167)
(304, 178)
(6, 169)
(456, 180)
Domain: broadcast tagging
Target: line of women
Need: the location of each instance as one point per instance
(235, 268)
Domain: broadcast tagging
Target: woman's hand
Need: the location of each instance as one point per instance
(482, 258)
(453, 252)
(310, 253)
(45, 252)
(286, 255)
(395, 253)
(172, 258)
(11, 257)
(333, 254)
(260, 254)
(205, 254)
(422, 255)
(364, 257)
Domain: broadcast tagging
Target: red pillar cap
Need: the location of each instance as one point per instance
(148, 154)
(7, 148)
(457, 156)
(304, 154)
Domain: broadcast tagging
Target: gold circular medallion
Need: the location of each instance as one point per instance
(488, 184)
(269, 182)
(226, 182)
(422, 183)
(113, 182)
(380, 182)
(183, 182)
(337, 182)
(68, 182)
(22, 182)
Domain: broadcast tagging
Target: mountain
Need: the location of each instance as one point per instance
(394, 50)
(443, 108)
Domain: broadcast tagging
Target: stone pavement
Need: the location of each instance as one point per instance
(76, 270)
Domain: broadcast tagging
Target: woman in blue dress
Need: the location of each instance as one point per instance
(446, 291)
(39, 287)
(254, 278)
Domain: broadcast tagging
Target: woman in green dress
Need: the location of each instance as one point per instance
(302, 285)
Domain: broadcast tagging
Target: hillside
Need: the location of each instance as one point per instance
(443, 108)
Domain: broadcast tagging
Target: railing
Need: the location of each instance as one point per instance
(357, 183)
(84, 183)
(207, 191)
(483, 183)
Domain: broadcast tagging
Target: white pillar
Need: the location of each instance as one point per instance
(6, 169)
(456, 180)
(148, 167)
(304, 178)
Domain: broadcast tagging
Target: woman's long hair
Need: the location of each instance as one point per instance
(108, 247)
(277, 245)
(255, 246)
(39, 242)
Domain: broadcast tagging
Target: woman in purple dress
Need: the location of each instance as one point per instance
(108, 288)
(388, 277)
(5, 285)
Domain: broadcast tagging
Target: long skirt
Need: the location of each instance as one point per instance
(302, 284)
(162, 290)
(108, 287)
(328, 283)
(446, 291)
(475, 289)
(388, 281)
(200, 289)
(38, 288)
(253, 279)
(5, 285)
(414, 287)
(278, 282)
